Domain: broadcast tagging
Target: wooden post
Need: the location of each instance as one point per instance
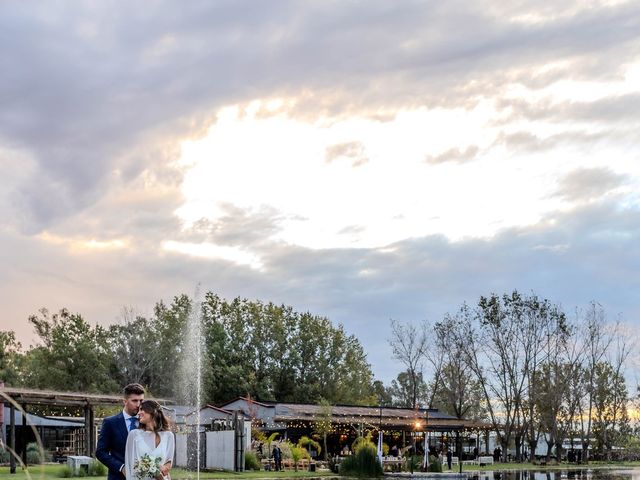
(92, 422)
(87, 430)
(23, 434)
(12, 438)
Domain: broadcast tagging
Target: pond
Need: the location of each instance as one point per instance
(578, 474)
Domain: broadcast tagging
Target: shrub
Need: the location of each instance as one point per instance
(359, 442)
(435, 465)
(65, 472)
(97, 469)
(363, 463)
(251, 461)
(35, 455)
(285, 447)
(4, 456)
(413, 463)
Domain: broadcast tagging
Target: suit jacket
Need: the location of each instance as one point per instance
(111, 445)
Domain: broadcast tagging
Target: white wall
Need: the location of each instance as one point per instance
(181, 449)
(218, 446)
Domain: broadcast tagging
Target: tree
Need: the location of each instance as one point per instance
(457, 391)
(409, 344)
(408, 391)
(555, 378)
(274, 353)
(595, 343)
(383, 394)
(10, 358)
(134, 345)
(73, 355)
(611, 420)
(502, 342)
(323, 425)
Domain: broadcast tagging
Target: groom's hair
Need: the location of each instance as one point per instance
(133, 389)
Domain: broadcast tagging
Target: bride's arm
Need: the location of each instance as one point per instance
(130, 455)
(170, 450)
(168, 453)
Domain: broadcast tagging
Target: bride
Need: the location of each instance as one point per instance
(149, 450)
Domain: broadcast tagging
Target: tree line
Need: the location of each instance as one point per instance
(522, 364)
(516, 361)
(268, 351)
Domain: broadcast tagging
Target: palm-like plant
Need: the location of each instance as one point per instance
(306, 442)
(297, 454)
(270, 440)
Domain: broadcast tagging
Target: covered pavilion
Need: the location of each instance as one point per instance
(400, 426)
(22, 399)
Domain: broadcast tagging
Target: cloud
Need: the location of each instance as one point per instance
(527, 142)
(237, 226)
(353, 152)
(454, 155)
(97, 99)
(361, 288)
(589, 184)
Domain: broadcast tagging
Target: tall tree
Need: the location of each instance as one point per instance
(409, 345)
(275, 353)
(596, 342)
(72, 356)
(409, 391)
(457, 392)
(134, 346)
(610, 407)
(502, 343)
(10, 358)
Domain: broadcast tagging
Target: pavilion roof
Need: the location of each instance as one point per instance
(405, 418)
(55, 397)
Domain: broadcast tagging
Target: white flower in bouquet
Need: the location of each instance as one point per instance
(147, 467)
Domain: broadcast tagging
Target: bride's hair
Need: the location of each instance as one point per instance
(160, 420)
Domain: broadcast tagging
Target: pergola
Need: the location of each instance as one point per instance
(22, 398)
(389, 420)
(378, 417)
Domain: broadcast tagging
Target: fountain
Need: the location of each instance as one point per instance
(190, 391)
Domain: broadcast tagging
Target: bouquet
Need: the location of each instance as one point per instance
(147, 467)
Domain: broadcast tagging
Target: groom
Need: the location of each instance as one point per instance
(114, 431)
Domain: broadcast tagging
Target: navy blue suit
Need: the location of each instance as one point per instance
(111, 445)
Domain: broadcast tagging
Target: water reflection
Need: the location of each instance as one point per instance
(580, 474)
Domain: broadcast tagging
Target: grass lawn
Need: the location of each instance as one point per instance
(50, 472)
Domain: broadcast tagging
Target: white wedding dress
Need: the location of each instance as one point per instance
(141, 442)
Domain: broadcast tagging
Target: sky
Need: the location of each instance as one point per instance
(361, 160)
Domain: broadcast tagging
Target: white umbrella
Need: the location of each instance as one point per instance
(426, 453)
(380, 446)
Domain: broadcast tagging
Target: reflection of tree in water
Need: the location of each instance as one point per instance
(578, 474)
